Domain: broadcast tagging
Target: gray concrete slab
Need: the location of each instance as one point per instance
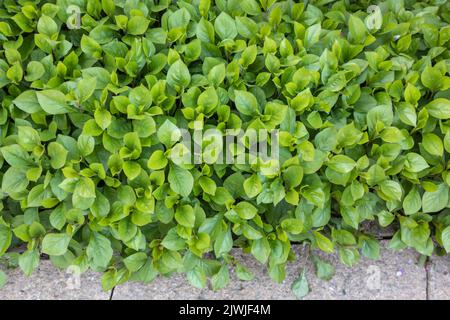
(394, 276)
(439, 278)
(50, 283)
(177, 287)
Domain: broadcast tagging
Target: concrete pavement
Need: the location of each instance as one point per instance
(397, 275)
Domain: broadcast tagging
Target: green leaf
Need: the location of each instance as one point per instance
(225, 26)
(324, 270)
(178, 75)
(349, 256)
(252, 186)
(433, 144)
(196, 277)
(14, 181)
(16, 156)
(351, 216)
(370, 248)
(131, 169)
(185, 216)
(29, 261)
(157, 160)
(91, 47)
(58, 218)
(85, 144)
(357, 29)
(323, 242)
(208, 185)
(412, 202)
(343, 237)
(53, 102)
(223, 243)
(385, 218)
(251, 233)
(5, 238)
(220, 279)
(293, 176)
(46, 25)
(246, 102)
(85, 188)
(445, 236)
(3, 279)
(135, 261)
(432, 78)
(312, 35)
(412, 94)
(391, 135)
(168, 133)
(146, 274)
(101, 207)
(217, 74)
(37, 195)
(27, 101)
(392, 190)
(243, 273)
(302, 100)
(439, 108)
(58, 155)
(28, 138)
(407, 114)
(137, 25)
(85, 88)
(99, 250)
(246, 27)
(294, 226)
(415, 162)
(173, 241)
(341, 163)
(261, 250)
(205, 31)
(300, 286)
(248, 56)
(251, 7)
(15, 73)
(435, 201)
(55, 244)
(245, 210)
(208, 100)
(179, 19)
(180, 180)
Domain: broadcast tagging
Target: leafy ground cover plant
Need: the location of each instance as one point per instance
(92, 93)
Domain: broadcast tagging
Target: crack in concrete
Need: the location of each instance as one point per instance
(427, 278)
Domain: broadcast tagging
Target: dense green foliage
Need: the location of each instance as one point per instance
(360, 96)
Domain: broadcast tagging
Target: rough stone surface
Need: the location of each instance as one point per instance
(439, 278)
(49, 283)
(394, 276)
(379, 232)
